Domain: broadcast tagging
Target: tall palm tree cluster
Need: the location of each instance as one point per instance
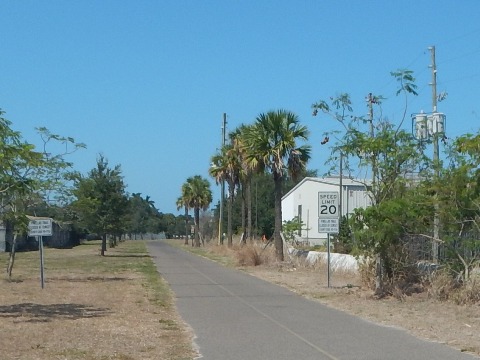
(196, 195)
(269, 145)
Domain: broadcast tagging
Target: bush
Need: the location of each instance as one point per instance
(445, 287)
(468, 293)
(366, 268)
(440, 285)
(248, 256)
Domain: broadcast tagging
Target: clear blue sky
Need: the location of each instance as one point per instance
(146, 83)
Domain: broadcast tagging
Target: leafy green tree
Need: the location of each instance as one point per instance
(28, 176)
(458, 190)
(273, 143)
(142, 213)
(101, 203)
(166, 223)
(391, 155)
(226, 166)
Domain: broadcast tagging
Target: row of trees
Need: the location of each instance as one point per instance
(270, 145)
(101, 205)
(40, 181)
(404, 188)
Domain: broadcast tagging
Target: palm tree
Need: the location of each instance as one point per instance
(273, 144)
(199, 197)
(246, 174)
(183, 202)
(225, 166)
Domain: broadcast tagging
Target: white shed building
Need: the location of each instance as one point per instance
(304, 201)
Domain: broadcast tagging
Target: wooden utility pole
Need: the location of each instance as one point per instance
(378, 259)
(222, 194)
(371, 100)
(436, 164)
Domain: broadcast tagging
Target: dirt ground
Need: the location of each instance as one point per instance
(87, 315)
(100, 314)
(443, 322)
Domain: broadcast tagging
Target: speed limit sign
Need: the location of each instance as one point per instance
(328, 212)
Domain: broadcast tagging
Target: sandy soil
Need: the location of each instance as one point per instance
(84, 316)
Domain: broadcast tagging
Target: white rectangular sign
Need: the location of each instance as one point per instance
(328, 212)
(40, 227)
(328, 226)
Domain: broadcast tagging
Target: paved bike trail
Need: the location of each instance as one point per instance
(237, 316)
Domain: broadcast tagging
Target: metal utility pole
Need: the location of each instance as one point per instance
(222, 195)
(436, 218)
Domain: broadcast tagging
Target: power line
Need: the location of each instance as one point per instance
(448, 41)
(459, 78)
(468, 54)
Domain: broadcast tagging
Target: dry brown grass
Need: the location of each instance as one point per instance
(91, 308)
(250, 254)
(442, 286)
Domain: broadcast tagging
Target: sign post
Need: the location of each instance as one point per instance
(40, 228)
(328, 219)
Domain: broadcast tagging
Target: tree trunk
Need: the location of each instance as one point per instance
(278, 217)
(104, 244)
(186, 225)
(231, 191)
(248, 195)
(11, 259)
(196, 216)
(113, 241)
(244, 220)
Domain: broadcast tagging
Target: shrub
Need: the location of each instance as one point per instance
(468, 293)
(248, 256)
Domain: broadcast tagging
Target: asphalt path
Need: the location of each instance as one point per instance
(237, 316)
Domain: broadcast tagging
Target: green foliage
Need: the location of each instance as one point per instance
(17, 162)
(406, 81)
(101, 204)
(143, 217)
(292, 227)
(226, 165)
(196, 195)
(29, 178)
(389, 156)
(458, 198)
(343, 241)
(272, 141)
